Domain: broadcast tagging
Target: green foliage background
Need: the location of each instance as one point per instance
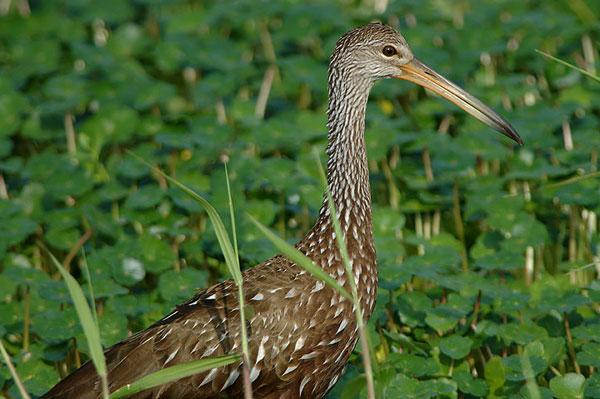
(488, 269)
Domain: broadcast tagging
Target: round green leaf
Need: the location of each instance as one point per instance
(413, 365)
(456, 346)
(568, 386)
(8, 286)
(157, 255)
(55, 326)
(113, 328)
(26, 275)
(177, 287)
(517, 370)
(469, 385)
(128, 270)
(404, 387)
(589, 355)
(145, 197)
(12, 106)
(36, 375)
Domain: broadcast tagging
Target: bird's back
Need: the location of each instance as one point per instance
(298, 341)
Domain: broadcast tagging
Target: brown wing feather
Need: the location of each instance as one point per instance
(285, 345)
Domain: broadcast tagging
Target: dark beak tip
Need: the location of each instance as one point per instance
(518, 139)
(511, 133)
(515, 136)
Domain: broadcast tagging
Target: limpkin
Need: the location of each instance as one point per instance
(302, 332)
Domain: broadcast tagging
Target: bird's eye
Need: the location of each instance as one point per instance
(389, 51)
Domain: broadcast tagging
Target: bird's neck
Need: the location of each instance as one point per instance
(347, 167)
(348, 183)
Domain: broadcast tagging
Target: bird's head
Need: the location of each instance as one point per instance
(376, 51)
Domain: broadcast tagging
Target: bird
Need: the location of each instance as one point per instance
(302, 332)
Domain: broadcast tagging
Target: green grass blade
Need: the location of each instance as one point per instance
(233, 229)
(583, 71)
(591, 175)
(88, 323)
(89, 280)
(301, 260)
(584, 267)
(174, 373)
(242, 305)
(220, 231)
(13, 371)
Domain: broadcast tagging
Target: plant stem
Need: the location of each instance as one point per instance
(3, 190)
(570, 344)
(263, 95)
(427, 165)
(69, 258)
(476, 311)
(70, 133)
(459, 226)
(26, 320)
(393, 189)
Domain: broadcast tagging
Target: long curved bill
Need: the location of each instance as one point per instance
(419, 73)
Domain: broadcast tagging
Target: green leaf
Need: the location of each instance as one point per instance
(26, 275)
(157, 255)
(588, 332)
(412, 308)
(174, 373)
(517, 369)
(105, 288)
(54, 326)
(145, 197)
(12, 106)
(589, 355)
(176, 287)
(128, 271)
(36, 375)
(7, 287)
(404, 387)
(503, 260)
(413, 365)
(131, 305)
(112, 124)
(11, 313)
(469, 385)
(562, 302)
(456, 346)
(261, 210)
(113, 327)
(14, 230)
(592, 386)
(519, 333)
(444, 317)
(568, 386)
(495, 374)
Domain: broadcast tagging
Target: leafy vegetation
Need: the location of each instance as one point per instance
(488, 253)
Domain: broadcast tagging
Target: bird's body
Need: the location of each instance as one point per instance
(302, 332)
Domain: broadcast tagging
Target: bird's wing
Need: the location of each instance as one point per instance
(281, 340)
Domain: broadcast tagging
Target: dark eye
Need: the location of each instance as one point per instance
(389, 51)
